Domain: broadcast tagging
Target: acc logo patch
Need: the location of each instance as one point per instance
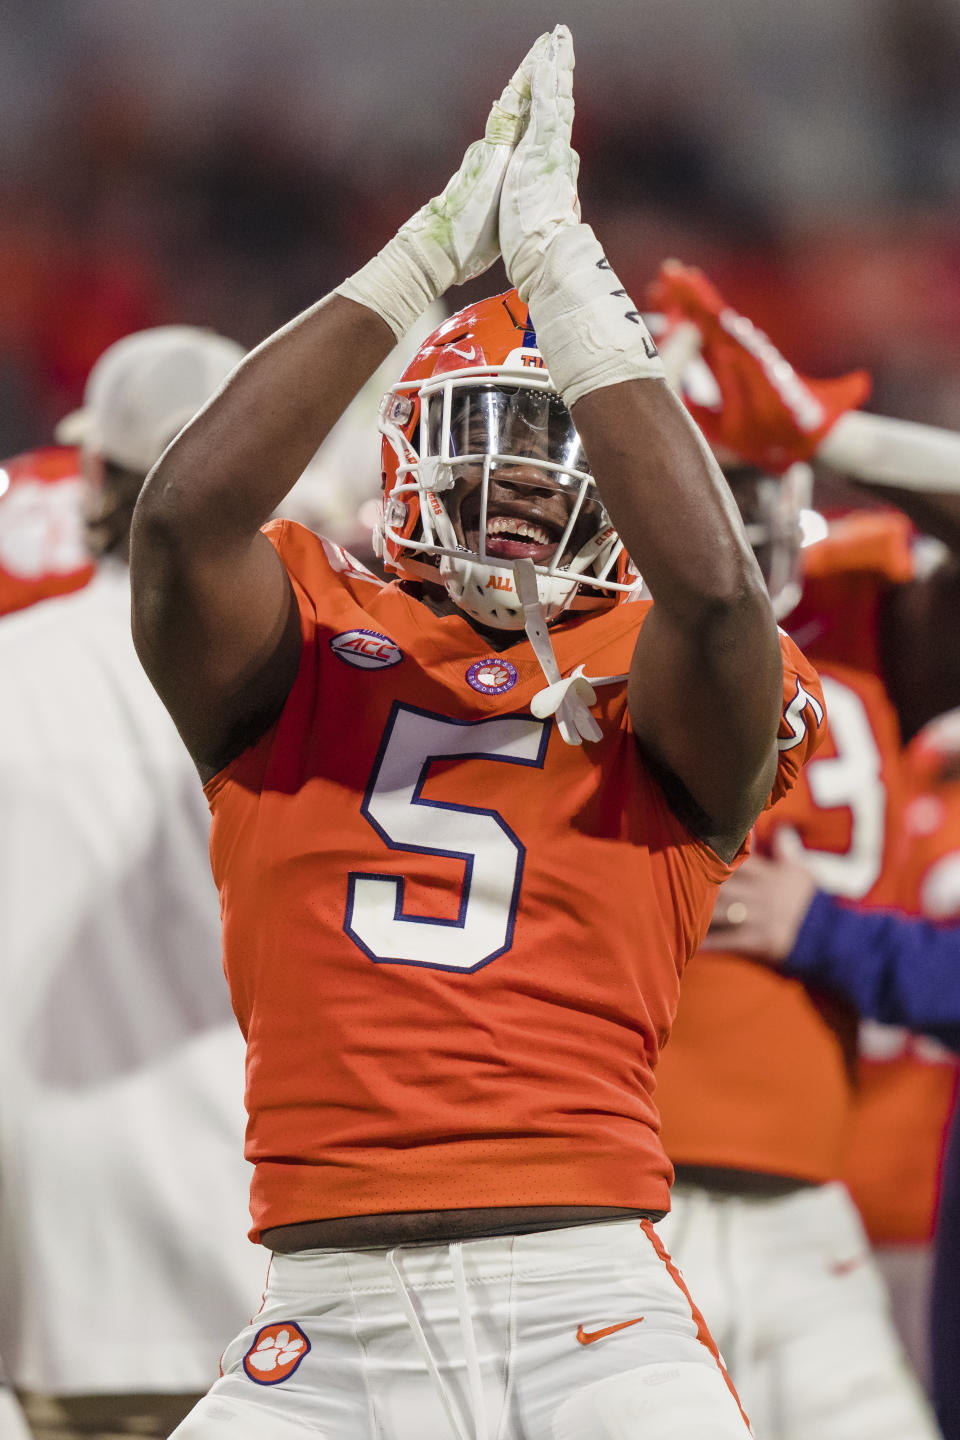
(275, 1353)
(492, 676)
(366, 649)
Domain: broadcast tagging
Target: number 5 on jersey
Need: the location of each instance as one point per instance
(491, 853)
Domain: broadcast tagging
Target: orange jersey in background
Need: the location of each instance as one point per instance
(42, 547)
(454, 942)
(908, 1083)
(759, 1072)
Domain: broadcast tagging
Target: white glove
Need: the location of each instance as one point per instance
(540, 188)
(456, 235)
(588, 329)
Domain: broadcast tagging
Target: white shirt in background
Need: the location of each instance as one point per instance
(124, 1263)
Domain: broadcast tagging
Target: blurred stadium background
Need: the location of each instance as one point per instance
(225, 162)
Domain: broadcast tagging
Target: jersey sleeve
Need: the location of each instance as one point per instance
(325, 580)
(803, 719)
(317, 567)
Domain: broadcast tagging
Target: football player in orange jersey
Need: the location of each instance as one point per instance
(449, 1076)
(905, 973)
(756, 1087)
(907, 1083)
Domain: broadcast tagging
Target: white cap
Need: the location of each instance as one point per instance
(144, 389)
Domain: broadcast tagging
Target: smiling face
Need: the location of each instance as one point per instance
(486, 470)
(526, 442)
(527, 514)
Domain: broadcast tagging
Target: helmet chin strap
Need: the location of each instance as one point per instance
(467, 581)
(568, 699)
(469, 584)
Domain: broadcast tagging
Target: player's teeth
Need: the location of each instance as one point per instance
(503, 525)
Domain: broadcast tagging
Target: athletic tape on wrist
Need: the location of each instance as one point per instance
(400, 281)
(588, 329)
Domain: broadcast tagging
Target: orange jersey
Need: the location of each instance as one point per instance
(908, 1083)
(759, 1071)
(42, 547)
(453, 942)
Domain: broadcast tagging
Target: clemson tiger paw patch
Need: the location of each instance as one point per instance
(275, 1353)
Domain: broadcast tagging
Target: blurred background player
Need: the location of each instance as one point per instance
(908, 975)
(757, 1085)
(907, 1083)
(43, 552)
(13, 1424)
(120, 1061)
(935, 869)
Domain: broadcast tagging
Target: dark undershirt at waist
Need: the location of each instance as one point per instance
(729, 1181)
(431, 1227)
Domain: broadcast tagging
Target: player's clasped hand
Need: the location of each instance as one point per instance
(540, 186)
(457, 232)
(456, 235)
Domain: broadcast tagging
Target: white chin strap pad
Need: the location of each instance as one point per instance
(471, 585)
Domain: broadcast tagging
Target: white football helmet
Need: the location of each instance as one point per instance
(483, 466)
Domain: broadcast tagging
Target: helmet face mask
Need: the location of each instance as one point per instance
(771, 507)
(503, 510)
(483, 466)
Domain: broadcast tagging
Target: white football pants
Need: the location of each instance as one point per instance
(792, 1295)
(584, 1333)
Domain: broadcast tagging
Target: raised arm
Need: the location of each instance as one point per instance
(214, 617)
(705, 688)
(916, 468)
(705, 683)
